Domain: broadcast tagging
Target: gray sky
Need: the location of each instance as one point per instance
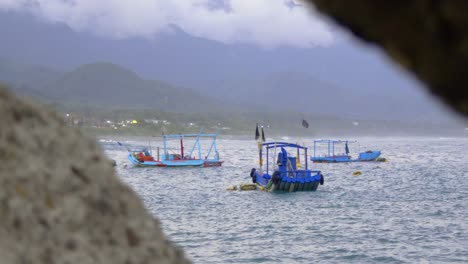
(277, 22)
(219, 47)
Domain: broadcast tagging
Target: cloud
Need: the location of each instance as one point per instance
(268, 23)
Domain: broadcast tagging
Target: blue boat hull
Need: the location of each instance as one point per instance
(137, 162)
(192, 163)
(302, 181)
(175, 163)
(363, 156)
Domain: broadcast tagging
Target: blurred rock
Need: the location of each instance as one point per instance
(429, 38)
(60, 201)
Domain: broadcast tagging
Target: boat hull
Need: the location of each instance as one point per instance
(363, 157)
(212, 163)
(296, 187)
(306, 182)
(175, 163)
(131, 157)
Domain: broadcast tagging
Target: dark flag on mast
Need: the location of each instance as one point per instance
(305, 124)
(257, 135)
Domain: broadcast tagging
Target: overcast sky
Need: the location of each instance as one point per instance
(217, 45)
(277, 22)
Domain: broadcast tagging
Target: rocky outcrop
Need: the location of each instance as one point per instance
(60, 201)
(427, 37)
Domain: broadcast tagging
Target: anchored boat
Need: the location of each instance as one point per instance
(332, 157)
(283, 170)
(181, 157)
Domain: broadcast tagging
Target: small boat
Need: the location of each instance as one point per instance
(286, 173)
(332, 157)
(182, 158)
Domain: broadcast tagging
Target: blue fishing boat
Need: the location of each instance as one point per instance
(283, 172)
(180, 157)
(332, 157)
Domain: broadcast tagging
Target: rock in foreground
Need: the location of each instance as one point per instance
(60, 201)
(429, 38)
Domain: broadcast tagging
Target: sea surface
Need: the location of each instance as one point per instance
(412, 209)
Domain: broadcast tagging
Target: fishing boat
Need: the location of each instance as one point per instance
(283, 171)
(332, 156)
(144, 158)
(181, 157)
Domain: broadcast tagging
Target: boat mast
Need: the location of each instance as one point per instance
(298, 158)
(182, 147)
(315, 142)
(165, 147)
(333, 148)
(305, 157)
(199, 150)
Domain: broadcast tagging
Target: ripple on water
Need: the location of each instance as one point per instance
(412, 209)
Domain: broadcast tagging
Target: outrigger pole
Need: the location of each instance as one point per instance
(212, 144)
(197, 141)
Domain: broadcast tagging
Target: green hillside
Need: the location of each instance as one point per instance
(100, 92)
(108, 85)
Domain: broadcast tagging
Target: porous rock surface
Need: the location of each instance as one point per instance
(60, 201)
(427, 37)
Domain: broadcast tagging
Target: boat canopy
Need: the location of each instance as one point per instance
(334, 141)
(196, 148)
(189, 135)
(331, 145)
(270, 145)
(281, 145)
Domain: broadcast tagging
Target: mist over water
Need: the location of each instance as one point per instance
(412, 209)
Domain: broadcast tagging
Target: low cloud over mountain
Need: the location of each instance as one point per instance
(277, 22)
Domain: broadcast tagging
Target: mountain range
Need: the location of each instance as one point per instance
(103, 85)
(348, 79)
(182, 73)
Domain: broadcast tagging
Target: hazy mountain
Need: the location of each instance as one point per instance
(346, 79)
(305, 93)
(105, 85)
(108, 90)
(26, 75)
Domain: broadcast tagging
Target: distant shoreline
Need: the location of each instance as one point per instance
(282, 137)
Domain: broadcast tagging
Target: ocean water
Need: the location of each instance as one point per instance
(412, 209)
